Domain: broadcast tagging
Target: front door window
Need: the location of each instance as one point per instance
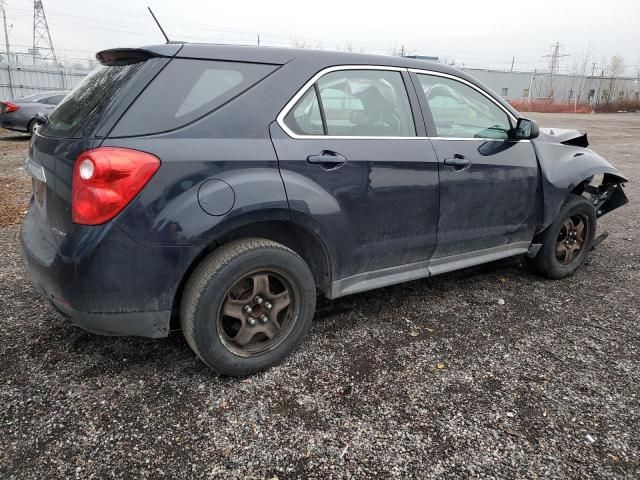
(460, 111)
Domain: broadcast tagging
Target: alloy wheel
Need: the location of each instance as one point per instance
(571, 239)
(257, 312)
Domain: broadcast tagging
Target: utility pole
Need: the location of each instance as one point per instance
(258, 35)
(513, 60)
(554, 65)
(533, 75)
(7, 47)
(6, 33)
(41, 34)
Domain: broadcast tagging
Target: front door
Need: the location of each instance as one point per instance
(489, 185)
(357, 172)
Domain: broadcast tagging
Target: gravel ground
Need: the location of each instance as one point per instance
(490, 372)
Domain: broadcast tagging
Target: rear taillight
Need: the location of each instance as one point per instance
(105, 180)
(8, 107)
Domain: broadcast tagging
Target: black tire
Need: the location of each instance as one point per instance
(209, 288)
(31, 127)
(547, 262)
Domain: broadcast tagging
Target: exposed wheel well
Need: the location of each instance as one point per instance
(297, 238)
(579, 188)
(604, 190)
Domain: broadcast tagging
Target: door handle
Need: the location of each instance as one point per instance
(327, 159)
(458, 162)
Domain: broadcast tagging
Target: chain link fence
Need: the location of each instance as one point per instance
(20, 80)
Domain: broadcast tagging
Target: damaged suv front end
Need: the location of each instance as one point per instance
(568, 166)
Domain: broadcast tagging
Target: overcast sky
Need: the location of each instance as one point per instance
(473, 33)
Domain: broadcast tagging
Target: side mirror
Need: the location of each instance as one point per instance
(526, 129)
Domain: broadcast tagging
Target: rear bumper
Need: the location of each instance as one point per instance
(103, 280)
(141, 324)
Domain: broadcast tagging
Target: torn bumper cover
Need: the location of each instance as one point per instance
(608, 196)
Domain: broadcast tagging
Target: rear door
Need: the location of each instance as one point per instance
(489, 185)
(357, 167)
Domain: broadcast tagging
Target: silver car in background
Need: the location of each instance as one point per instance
(20, 114)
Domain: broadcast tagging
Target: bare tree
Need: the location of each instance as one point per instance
(600, 72)
(615, 70)
(574, 72)
(348, 47)
(397, 51)
(447, 61)
(301, 43)
(583, 67)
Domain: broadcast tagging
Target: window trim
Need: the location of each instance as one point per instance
(419, 71)
(336, 68)
(294, 100)
(323, 119)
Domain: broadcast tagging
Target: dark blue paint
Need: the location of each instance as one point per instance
(389, 203)
(493, 202)
(380, 208)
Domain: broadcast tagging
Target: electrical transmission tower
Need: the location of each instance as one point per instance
(554, 65)
(42, 44)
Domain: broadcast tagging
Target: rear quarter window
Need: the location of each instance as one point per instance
(80, 112)
(186, 90)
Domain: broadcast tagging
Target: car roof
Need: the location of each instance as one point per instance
(313, 59)
(280, 55)
(34, 97)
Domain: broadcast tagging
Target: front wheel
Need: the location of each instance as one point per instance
(247, 306)
(568, 240)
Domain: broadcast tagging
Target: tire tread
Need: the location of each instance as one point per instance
(544, 264)
(206, 269)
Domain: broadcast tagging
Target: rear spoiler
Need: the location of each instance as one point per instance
(123, 56)
(127, 56)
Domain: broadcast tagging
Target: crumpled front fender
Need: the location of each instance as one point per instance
(565, 168)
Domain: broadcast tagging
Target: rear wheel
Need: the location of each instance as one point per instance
(568, 240)
(247, 306)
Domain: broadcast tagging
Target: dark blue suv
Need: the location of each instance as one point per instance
(226, 187)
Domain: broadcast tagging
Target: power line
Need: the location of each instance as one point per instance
(41, 34)
(554, 64)
(207, 32)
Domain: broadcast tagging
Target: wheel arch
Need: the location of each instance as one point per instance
(30, 124)
(295, 236)
(567, 170)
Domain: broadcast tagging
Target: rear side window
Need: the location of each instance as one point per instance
(366, 102)
(353, 103)
(305, 118)
(186, 90)
(79, 113)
